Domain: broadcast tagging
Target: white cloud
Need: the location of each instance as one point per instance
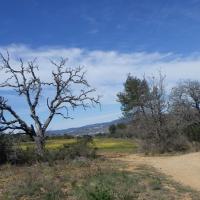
(107, 70)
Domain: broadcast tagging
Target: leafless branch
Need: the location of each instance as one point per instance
(69, 84)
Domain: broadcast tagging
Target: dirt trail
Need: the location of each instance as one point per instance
(182, 168)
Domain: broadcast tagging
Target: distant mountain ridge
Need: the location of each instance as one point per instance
(91, 129)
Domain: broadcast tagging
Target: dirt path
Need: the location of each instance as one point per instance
(182, 168)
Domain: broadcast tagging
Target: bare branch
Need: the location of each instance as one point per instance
(69, 84)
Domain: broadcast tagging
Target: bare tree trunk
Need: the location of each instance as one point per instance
(39, 145)
(26, 82)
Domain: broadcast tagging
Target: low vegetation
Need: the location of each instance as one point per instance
(74, 171)
(102, 144)
(98, 179)
(17, 153)
(6, 146)
(115, 145)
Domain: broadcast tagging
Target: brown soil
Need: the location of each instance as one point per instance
(184, 169)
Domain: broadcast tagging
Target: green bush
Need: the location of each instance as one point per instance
(20, 156)
(100, 193)
(112, 129)
(193, 132)
(10, 151)
(121, 126)
(6, 146)
(82, 148)
(121, 130)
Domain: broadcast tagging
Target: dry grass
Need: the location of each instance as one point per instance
(88, 180)
(84, 179)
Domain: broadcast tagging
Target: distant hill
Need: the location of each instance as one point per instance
(92, 129)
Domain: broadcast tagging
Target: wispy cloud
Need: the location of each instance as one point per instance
(107, 70)
(93, 31)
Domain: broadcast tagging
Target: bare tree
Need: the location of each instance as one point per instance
(185, 106)
(24, 80)
(185, 102)
(157, 105)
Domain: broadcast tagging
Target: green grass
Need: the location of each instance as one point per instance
(115, 145)
(88, 180)
(103, 144)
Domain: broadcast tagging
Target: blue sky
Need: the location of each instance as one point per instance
(110, 37)
(123, 25)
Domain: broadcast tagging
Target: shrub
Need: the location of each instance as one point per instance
(192, 132)
(11, 152)
(121, 126)
(100, 193)
(20, 156)
(14, 154)
(155, 183)
(171, 141)
(82, 148)
(112, 129)
(6, 148)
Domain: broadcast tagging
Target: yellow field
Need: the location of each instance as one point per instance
(51, 144)
(103, 144)
(115, 145)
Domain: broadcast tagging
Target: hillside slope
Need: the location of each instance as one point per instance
(91, 129)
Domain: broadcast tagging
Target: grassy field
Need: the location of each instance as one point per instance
(89, 179)
(98, 179)
(103, 144)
